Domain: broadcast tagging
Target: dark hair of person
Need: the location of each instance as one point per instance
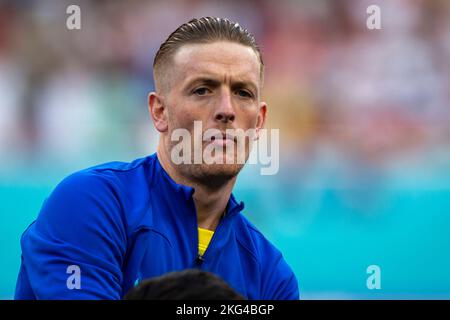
(190, 284)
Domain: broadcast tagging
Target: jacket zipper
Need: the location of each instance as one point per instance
(200, 259)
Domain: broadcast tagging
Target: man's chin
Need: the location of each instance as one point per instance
(215, 174)
(217, 169)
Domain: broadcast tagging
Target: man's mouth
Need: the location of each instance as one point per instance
(223, 140)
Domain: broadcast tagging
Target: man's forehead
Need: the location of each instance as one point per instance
(216, 60)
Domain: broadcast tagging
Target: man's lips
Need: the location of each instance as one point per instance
(224, 139)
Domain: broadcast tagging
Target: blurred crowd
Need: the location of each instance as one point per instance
(364, 120)
(356, 101)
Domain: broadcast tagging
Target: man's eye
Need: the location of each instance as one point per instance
(244, 94)
(201, 91)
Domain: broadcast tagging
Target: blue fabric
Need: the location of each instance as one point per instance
(121, 223)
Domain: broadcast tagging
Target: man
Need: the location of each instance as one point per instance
(106, 228)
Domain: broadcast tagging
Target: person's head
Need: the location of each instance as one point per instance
(208, 70)
(190, 284)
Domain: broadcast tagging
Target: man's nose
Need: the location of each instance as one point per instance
(225, 111)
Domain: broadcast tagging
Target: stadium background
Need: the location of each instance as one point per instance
(364, 121)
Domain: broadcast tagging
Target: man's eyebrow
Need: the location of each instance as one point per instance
(203, 80)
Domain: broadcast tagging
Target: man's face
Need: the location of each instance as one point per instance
(218, 84)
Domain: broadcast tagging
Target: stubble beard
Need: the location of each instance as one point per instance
(211, 175)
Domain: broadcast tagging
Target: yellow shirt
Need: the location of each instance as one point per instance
(204, 237)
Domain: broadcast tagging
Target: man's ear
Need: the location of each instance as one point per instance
(158, 112)
(261, 119)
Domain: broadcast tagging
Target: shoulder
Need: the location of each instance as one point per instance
(116, 168)
(107, 177)
(278, 279)
(97, 194)
(253, 239)
(120, 166)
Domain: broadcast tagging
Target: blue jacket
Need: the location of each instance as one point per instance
(119, 223)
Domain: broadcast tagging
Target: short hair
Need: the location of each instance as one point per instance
(205, 30)
(190, 284)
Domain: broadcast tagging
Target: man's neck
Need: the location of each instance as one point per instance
(211, 205)
(210, 202)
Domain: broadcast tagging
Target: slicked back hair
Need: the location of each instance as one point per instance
(202, 31)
